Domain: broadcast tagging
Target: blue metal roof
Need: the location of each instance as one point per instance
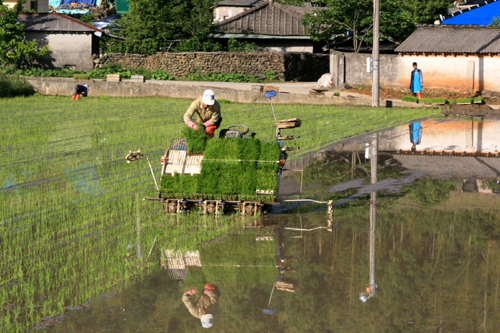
(479, 16)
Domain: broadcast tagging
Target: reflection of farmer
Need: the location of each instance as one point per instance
(417, 81)
(204, 306)
(207, 110)
(415, 135)
(79, 90)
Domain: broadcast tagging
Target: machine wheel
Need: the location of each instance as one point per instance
(170, 207)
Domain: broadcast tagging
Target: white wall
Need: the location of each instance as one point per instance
(69, 49)
(225, 12)
(448, 72)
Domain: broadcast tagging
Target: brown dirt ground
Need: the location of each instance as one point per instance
(398, 93)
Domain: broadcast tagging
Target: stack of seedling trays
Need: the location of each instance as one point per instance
(220, 174)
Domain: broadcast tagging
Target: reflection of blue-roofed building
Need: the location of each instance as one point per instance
(84, 179)
(481, 13)
(107, 21)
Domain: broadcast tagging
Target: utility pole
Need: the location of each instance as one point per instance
(375, 55)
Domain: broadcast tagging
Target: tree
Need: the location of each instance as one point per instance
(159, 25)
(353, 19)
(14, 49)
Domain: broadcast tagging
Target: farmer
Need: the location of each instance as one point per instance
(204, 306)
(79, 90)
(207, 110)
(417, 81)
(415, 135)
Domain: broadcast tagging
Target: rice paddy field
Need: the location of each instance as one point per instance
(72, 221)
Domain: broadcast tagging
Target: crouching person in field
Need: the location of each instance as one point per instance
(79, 90)
(207, 110)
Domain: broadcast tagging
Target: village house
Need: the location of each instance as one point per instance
(36, 5)
(272, 26)
(464, 57)
(229, 8)
(453, 57)
(70, 41)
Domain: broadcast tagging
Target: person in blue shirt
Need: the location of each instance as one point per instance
(417, 81)
(415, 135)
(79, 90)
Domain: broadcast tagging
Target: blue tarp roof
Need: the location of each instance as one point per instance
(479, 16)
(83, 2)
(103, 23)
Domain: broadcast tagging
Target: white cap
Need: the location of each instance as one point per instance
(208, 97)
(207, 320)
(86, 86)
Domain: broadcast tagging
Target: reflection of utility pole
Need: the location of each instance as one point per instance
(373, 214)
(138, 225)
(371, 290)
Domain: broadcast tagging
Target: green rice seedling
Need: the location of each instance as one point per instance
(224, 101)
(410, 99)
(461, 101)
(196, 140)
(478, 100)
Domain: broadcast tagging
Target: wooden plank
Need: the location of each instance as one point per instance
(269, 88)
(137, 78)
(113, 77)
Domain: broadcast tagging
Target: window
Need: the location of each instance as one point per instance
(34, 5)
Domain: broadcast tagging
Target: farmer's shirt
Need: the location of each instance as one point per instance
(211, 301)
(203, 115)
(81, 89)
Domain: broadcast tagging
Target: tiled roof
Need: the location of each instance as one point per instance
(449, 166)
(268, 19)
(240, 3)
(452, 39)
(53, 22)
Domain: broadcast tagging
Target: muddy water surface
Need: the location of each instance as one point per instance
(418, 249)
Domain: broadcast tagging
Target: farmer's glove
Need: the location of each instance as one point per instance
(193, 125)
(207, 123)
(191, 292)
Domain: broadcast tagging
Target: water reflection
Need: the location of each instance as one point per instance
(423, 257)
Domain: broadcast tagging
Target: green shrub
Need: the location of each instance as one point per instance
(222, 77)
(196, 140)
(11, 86)
(161, 75)
(270, 75)
(233, 45)
(337, 93)
(80, 76)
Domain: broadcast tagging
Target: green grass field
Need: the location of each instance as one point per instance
(69, 201)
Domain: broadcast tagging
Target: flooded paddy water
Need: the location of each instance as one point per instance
(416, 249)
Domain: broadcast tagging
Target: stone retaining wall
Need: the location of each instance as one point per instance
(288, 66)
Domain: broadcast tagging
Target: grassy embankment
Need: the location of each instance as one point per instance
(12, 86)
(68, 219)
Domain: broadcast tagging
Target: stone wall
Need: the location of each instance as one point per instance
(288, 66)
